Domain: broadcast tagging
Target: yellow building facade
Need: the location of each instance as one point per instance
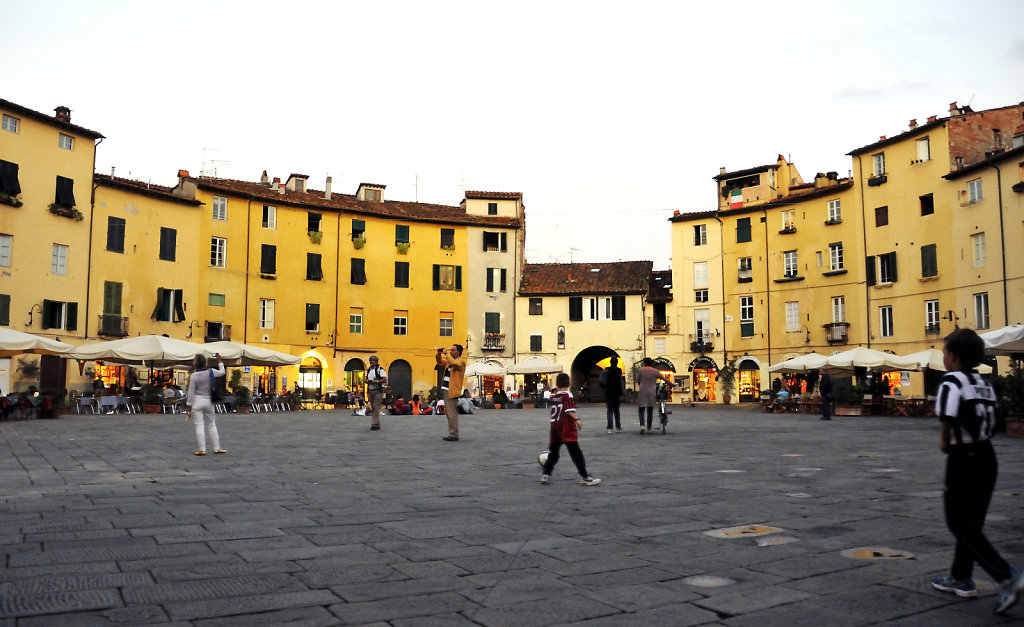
(46, 166)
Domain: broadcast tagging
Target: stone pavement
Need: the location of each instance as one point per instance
(312, 519)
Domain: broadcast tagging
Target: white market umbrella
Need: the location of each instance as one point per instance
(535, 365)
(17, 343)
(485, 369)
(869, 358)
(802, 363)
(152, 351)
(931, 359)
(237, 354)
(1006, 341)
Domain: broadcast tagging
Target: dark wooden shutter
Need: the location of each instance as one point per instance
(115, 234)
(268, 259)
(65, 195)
(401, 233)
(869, 269)
(575, 308)
(9, 178)
(358, 271)
(892, 267)
(618, 307)
(5, 309)
(71, 317)
(437, 277)
(159, 309)
(313, 270)
(179, 306)
(458, 278)
(490, 279)
(504, 242)
(503, 282)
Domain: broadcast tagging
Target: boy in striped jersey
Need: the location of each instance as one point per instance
(966, 406)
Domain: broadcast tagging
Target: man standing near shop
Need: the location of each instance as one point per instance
(454, 365)
(376, 379)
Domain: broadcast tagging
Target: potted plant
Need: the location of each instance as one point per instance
(359, 242)
(316, 236)
(242, 399)
(403, 247)
(727, 377)
(849, 399)
(152, 399)
(67, 212)
(295, 400)
(1010, 391)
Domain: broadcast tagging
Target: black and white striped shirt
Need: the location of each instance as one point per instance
(968, 403)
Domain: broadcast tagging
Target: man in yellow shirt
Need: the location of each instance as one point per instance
(454, 365)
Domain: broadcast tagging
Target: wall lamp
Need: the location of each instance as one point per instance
(807, 340)
(30, 310)
(194, 323)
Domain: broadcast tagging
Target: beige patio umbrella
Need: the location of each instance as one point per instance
(237, 354)
(861, 357)
(485, 369)
(151, 351)
(931, 359)
(17, 343)
(535, 365)
(1005, 341)
(801, 363)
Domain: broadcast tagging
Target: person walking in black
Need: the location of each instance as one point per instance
(827, 396)
(611, 381)
(966, 406)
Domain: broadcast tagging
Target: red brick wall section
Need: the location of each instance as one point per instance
(971, 136)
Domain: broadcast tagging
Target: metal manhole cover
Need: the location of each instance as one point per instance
(742, 531)
(876, 553)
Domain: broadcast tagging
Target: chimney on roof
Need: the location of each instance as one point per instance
(327, 189)
(721, 170)
(276, 185)
(264, 180)
(913, 123)
(954, 111)
(63, 114)
(881, 138)
(932, 118)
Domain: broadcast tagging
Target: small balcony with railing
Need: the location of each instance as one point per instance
(113, 325)
(932, 329)
(701, 342)
(494, 342)
(657, 324)
(837, 332)
(217, 331)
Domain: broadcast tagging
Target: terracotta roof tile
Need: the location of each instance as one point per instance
(661, 287)
(622, 277)
(348, 203)
(494, 195)
(141, 187)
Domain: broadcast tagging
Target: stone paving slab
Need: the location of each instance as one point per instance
(313, 519)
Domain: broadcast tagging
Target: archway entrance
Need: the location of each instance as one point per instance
(400, 379)
(355, 370)
(705, 377)
(586, 372)
(748, 381)
(310, 371)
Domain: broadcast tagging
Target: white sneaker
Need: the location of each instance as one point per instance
(610, 431)
(544, 479)
(588, 480)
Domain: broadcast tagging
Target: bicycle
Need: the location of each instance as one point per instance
(661, 395)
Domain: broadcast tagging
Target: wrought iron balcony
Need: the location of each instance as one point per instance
(113, 325)
(932, 329)
(494, 342)
(217, 331)
(701, 342)
(657, 325)
(836, 332)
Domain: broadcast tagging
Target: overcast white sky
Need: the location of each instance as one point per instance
(607, 116)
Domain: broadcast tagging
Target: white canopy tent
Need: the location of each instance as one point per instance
(485, 369)
(802, 363)
(861, 357)
(17, 343)
(237, 354)
(151, 351)
(931, 359)
(535, 365)
(1005, 341)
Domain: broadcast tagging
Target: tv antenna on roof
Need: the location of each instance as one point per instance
(213, 163)
(573, 250)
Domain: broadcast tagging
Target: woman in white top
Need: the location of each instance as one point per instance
(199, 405)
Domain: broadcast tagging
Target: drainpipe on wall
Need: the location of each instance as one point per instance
(721, 257)
(1002, 242)
(245, 297)
(337, 274)
(88, 253)
(767, 288)
(864, 239)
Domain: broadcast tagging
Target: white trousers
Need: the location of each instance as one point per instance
(204, 417)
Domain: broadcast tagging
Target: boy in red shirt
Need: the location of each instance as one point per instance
(565, 428)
